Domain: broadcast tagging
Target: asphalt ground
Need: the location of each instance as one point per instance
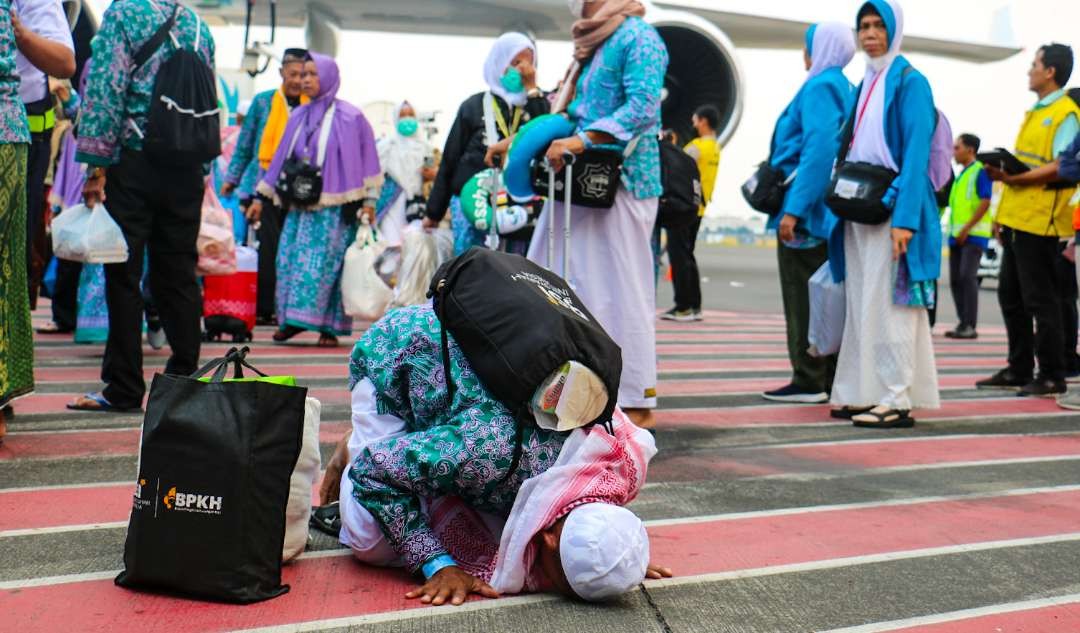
(774, 517)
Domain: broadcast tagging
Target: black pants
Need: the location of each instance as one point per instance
(65, 297)
(271, 222)
(37, 166)
(1030, 288)
(685, 276)
(797, 266)
(158, 209)
(964, 281)
(1070, 318)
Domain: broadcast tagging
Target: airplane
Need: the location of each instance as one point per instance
(702, 37)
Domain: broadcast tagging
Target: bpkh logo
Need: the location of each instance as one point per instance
(192, 502)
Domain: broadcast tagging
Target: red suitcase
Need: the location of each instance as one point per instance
(229, 300)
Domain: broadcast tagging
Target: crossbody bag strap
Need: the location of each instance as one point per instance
(151, 46)
(324, 134)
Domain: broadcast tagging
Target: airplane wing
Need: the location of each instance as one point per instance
(756, 31)
(549, 19)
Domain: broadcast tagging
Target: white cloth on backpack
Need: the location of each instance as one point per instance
(90, 236)
(304, 476)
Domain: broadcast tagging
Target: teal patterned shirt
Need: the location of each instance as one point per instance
(13, 125)
(117, 98)
(462, 448)
(244, 170)
(618, 93)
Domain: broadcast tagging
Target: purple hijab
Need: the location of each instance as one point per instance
(352, 162)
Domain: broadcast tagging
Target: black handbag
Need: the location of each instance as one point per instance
(766, 189)
(857, 191)
(208, 519)
(300, 183)
(597, 176)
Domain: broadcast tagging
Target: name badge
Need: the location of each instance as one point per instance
(847, 189)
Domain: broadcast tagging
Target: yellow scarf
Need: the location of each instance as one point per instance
(275, 127)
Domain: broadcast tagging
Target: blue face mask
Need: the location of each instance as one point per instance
(407, 126)
(512, 81)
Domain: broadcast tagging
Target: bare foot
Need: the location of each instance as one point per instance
(642, 418)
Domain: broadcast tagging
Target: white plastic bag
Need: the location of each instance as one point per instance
(90, 236)
(828, 307)
(364, 294)
(422, 252)
(216, 243)
(305, 473)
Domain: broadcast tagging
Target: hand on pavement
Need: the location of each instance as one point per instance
(453, 585)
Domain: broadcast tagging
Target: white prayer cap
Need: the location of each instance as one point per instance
(604, 551)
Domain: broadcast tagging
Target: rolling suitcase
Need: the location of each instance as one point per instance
(229, 300)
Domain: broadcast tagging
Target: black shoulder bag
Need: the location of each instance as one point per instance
(300, 183)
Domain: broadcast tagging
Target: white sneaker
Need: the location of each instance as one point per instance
(681, 316)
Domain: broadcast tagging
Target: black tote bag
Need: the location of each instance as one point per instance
(208, 519)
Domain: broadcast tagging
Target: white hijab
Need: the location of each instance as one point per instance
(503, 51)
(870, 145)
(832, 45)
(402, 157)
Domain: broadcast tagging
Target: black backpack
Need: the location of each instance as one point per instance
(517, 323)
(681, 178)
(183, 125)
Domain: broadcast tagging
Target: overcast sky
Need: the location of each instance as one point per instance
(437, 73)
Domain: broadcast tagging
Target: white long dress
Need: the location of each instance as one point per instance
(611, 269)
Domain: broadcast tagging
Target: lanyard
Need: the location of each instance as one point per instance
(862, 111)
(506, 132)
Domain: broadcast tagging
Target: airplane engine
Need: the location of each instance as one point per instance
(703, 69)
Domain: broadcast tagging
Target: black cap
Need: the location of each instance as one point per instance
(295, 55)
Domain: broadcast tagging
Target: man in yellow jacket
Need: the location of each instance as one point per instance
(1033, 219)
(705, 149)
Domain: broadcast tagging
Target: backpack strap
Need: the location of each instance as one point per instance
(490, 135)
(151, 46)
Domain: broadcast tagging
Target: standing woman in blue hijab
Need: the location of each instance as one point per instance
(886, 365)
(805, 143)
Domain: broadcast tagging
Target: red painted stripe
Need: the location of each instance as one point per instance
(884, 454)
(717, 386)
(803, 414)
(105, 504)
(338, 587)
(1053, 619)
(99, 443)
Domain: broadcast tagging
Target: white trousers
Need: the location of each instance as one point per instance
(887, 353)
(611, 269)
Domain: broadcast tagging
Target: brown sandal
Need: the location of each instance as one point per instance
(327, 341)
(286, 333)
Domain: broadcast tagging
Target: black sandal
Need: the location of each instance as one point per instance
(884, 418)
(286, 333)
(846, 413)
(327, 519)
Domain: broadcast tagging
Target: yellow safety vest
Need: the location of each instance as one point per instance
(1039, 210)
(964, 201)
(708, 165)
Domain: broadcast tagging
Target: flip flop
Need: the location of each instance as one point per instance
(884, 418)
(327, 519)
(102, 405)
(328, 341)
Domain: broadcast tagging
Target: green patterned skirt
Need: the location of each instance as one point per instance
(16, 336)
